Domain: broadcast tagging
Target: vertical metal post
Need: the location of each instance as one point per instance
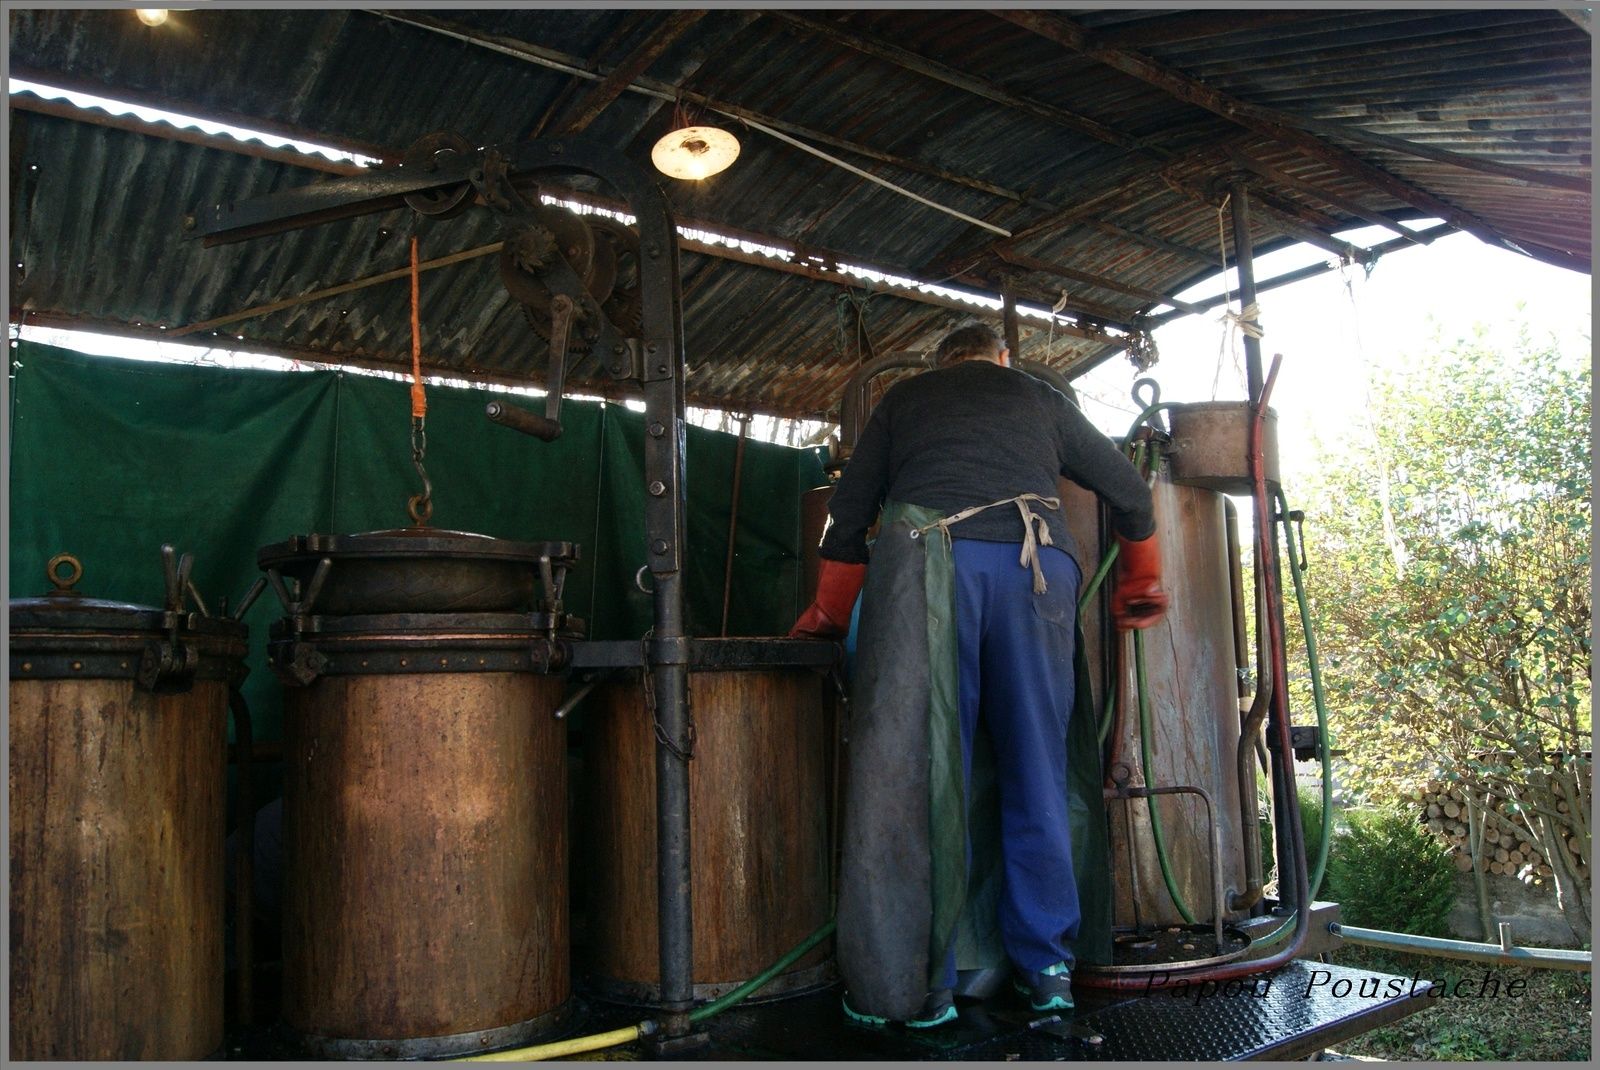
(1244, 260)
(1282, 773)
(666, 432)
(1008, 311)
(659, 365)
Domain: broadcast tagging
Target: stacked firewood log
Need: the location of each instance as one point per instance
(1509, 849)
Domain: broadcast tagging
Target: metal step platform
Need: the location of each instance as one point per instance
(1292, 1013)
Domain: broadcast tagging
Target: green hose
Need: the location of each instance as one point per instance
(717, 1006)
(1318, 698)
(1145, 763)
(1320, 701)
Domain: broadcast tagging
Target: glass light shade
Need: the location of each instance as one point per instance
(151, 16)
(695, 152)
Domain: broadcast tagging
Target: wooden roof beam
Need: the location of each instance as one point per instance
(1283, 216)
(1344, 204)
(980, 87)
(1267, 122)
(1030, 263)
(1165, 28)
(612, 86)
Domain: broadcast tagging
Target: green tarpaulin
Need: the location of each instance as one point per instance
(111, 458)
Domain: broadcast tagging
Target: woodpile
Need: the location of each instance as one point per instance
(1508, 848)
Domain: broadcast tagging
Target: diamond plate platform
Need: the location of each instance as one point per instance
(1283, 1015)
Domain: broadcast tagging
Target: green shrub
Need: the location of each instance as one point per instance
(1391, 874)
(1311, 818)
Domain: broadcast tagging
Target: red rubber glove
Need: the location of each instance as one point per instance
(828, 616)
(1137, 600)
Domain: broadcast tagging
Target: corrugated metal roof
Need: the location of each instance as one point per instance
(1109, 177)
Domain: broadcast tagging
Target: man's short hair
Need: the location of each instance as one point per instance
(964, 343)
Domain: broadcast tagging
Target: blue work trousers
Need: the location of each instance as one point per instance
(1016, 683)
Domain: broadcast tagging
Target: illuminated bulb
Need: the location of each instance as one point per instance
(695, 152)
(151, 16)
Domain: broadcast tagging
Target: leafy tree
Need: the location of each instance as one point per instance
(1450, 590)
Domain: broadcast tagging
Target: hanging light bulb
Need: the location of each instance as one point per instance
(151, 16)
(695, 152)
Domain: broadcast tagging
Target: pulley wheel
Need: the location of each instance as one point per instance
(426, 153)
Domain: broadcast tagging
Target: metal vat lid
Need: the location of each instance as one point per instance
(66, 609)
(411, 542)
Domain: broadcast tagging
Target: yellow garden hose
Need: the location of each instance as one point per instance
(557, 1049)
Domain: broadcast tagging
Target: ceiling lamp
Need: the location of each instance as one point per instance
(151, 16)
(695, 152)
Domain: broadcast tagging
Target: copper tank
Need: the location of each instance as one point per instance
(1194, 702)
(759, 806)
(118, 749)
(425, 899)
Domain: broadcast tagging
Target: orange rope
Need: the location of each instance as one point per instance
(419, 400)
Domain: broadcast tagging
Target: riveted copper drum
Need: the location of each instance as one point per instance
(425, 807)
(758, 800)
(117, 771)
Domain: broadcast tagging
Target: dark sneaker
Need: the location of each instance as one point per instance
(937, 1009)
(870, 1020)
(1048, 990)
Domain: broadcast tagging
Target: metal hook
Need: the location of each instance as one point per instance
(638, 580)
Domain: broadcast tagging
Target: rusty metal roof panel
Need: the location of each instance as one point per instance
(1090, 168)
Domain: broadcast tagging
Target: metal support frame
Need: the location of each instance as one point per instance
(658, 363)
(1244, 257)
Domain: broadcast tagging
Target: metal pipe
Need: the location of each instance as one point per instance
(1149, 794)
(1245, 770)
(1537, 957)
(733, 518)
(244, 868)
(1244, 260)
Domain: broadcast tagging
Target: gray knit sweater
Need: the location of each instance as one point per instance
(975, 433)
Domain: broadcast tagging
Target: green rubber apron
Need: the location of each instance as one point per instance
(906, 889)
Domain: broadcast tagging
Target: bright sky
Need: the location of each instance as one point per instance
(1333, 329)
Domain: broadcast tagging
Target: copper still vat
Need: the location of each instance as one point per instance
(759, 840)
(1194, 687)
(425, 899)
(118, 750)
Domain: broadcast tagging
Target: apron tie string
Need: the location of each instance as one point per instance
(1035, 532)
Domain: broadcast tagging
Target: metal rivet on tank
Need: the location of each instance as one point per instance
(77, 665)
(657, 488)
(656, 430)
(27, 666)
(444, 662)
(403, 661)
(659, 546)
